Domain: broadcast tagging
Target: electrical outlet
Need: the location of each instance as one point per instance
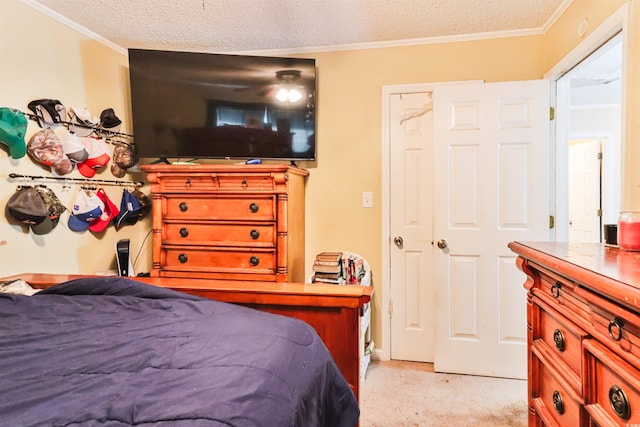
(367, 199)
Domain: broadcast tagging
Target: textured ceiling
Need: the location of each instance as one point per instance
(263, 25)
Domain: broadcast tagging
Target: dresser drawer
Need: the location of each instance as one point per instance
(554, 401)
(560, 293)
(219, 234)
(562, 339)
(615, 326)
(194, 183)
(205, 259)
(614, 387)
(253, 208)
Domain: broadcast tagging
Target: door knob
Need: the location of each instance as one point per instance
(442, 243)
(398, 241)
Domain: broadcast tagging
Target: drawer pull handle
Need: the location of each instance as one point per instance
(253, 207)
(183, 258)
(187, 183)
(184, 206)
(244, 183)
(558, 339)
(254, 234)
(615, 328)
(555, 290)
(184, 232)
(619, 402)
(558, 403)
(254, 261)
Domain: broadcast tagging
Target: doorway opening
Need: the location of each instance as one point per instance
(589, 107)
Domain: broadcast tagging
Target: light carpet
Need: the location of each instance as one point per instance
(409, 394)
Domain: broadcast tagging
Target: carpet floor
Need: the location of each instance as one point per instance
(408, 394)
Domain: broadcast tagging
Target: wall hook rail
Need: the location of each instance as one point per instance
(78, 180)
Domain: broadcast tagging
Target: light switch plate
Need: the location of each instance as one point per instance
(367, 199)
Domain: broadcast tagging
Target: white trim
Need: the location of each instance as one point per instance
(610, 27)
(383, 352)
(616, 23)
(74, 26)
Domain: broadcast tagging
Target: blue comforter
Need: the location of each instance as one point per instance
(115, 352)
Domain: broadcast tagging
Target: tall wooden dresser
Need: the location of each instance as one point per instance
(583, 319)
(236, 222)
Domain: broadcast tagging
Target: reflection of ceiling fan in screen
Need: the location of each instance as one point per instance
(287, 88)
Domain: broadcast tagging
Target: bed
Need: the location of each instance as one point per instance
(117, 352)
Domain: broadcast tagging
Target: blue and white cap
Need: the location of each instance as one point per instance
(87, 208)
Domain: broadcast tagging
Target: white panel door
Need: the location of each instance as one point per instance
(585, 158)
(411, 291)
(491, 165)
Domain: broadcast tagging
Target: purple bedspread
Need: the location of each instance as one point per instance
(115, 352)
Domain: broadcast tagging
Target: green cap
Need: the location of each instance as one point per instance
(13, 126)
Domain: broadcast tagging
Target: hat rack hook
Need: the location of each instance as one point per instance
(100, 131)
(87, 182)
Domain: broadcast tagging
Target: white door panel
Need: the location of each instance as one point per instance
(491, 167)
(411, 290)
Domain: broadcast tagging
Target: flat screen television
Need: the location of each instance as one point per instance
(189, 105)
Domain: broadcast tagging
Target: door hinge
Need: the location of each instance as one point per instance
(599, 156)
(599, 212)
(552, 113)
(390, 308)
(552, 221)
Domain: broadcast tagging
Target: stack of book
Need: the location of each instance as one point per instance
(327, 268)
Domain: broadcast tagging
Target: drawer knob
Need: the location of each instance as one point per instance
(254, 261)
(555, 290)
(558, 339)
(619, 402)
(615, 328)
(183, 258)
(244, 183)
(184, 232)
(184, 206)
(558, 403)
(187, 183)
(253, 207)
(254, 234)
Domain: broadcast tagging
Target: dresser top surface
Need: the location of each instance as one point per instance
(607, 270)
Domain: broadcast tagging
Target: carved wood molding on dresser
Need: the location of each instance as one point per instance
(583, 320)
(238, 222)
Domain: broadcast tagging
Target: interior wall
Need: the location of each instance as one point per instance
(50, 60)
(42, 58)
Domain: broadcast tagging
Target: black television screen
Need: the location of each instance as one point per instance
(203, 105)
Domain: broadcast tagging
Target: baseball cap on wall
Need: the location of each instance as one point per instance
(130, 208)
(82, 122)
(54, 209)
(109, 212)
(73, 147)
(49, 112)
(109, 120)
(44, 147)
(87, 208)
(123, 158)
(27, 206)
(13, 126)
(98, 156)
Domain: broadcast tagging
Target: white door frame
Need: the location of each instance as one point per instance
(617, 22)
(384, 351)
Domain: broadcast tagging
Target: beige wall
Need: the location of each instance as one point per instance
(42, 58)
(52, 60)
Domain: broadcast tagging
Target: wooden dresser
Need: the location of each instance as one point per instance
(583, 319)
(238, 222)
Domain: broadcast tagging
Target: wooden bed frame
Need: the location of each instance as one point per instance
(334, 311)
